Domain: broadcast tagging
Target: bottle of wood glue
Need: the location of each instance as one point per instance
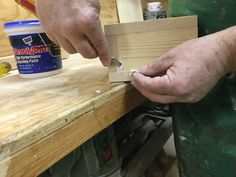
(36, 55)
(154, 11)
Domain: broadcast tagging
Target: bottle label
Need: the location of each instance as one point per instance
(35, 53)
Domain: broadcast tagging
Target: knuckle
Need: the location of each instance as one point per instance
(66, 26)
(101, 46)
(88, 21)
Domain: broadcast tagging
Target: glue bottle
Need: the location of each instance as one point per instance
(36, 55)
(154, 11)
(4, 68)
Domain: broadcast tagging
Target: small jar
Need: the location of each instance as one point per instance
(155, 11)
(36, 55)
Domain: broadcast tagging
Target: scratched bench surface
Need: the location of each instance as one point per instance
(33, 108)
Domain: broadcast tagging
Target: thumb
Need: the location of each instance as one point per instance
(158, 67)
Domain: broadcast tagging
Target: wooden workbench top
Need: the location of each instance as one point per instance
(42, 120)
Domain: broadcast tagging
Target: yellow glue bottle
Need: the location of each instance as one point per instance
(4, 68)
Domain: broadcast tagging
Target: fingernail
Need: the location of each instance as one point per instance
(132, 72)
(105, 63)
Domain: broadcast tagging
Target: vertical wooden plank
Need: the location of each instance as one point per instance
(108, 13)
(129, 11)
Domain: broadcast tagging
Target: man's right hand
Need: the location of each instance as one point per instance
(75, 26)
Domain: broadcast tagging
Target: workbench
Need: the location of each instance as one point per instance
(42, 120)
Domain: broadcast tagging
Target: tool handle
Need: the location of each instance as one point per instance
(29, 5)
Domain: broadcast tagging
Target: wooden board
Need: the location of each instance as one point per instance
(139, 43)
(42, 120)
(108, 14)
(10, 11)
(129, 11)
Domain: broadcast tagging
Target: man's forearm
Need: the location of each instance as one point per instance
(227, 40)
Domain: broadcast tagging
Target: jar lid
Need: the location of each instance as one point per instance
(154, 3)
(24, 23)
(154, 6)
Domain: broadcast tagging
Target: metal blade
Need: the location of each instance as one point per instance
(116, 62)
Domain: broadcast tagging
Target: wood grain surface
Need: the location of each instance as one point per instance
(10, 11)
(130, 11)
(139, 43)
(72, 107)
(108, 14)
(37, 157)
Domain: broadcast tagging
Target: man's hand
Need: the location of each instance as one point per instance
(75, 26)
(187, 72)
